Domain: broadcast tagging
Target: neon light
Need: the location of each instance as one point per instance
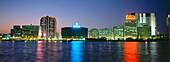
(130, 17)
(76, 26)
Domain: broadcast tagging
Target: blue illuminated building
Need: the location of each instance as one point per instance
(76, 31)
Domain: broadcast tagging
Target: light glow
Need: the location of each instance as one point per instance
(168, 16)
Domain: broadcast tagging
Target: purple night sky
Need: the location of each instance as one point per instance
(88, 13)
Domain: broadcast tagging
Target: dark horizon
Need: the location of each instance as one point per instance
(91, 14)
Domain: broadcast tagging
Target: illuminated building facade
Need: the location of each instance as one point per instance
(74, 32)
(148, 19)
(118, 32)
(0, 36)
(16, 31)
(30, 31)
(48, 27)
(168, 26)
(107, 33)
(130, 26)
(5, 37)
(94, 33)
(144, 32)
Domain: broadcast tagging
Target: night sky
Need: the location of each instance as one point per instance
(88, 13)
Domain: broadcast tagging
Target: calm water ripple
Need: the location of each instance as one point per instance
(80, 51)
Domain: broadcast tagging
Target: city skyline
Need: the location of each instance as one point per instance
(91, 14)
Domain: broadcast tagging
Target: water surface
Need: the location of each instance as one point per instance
(81, 51)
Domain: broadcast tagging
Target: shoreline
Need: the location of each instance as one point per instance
(156, 40)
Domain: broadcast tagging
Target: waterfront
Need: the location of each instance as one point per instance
(81, 51)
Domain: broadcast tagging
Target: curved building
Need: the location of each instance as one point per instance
(48, 27)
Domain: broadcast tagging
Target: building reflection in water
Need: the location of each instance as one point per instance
(153, 51)
(130, 52)
(76, 51)
(39, 55)
(46, 51)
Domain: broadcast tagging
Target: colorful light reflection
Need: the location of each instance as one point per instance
(76, 51)
(130, 52)
(39, 52)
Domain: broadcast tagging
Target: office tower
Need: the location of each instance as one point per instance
(168, 26)
(74, 32)
(107, 33)
(16, 31)
(130, 26)
(48, 27)
(30, 31)
(144, 32)
(148, 19)
(118, 32)
(94, 33)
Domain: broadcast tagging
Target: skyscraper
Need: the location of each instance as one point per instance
(48, 27)
(168, 26)
(148, 19)
(130, 25)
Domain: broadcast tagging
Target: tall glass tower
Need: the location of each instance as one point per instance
(148, 19)
(48, 27)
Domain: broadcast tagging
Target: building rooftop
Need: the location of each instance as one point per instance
(30, 25)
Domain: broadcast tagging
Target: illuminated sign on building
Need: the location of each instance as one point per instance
(76, 26)
(130, 17)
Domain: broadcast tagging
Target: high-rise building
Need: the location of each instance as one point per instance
(74, 32)
(144, 32)
(94, 33)
(16, 31)
(168, 26)
(107, 33)
(148, 19)
(30, 31)
(130, 26)
(118, 32)
(48, 27)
